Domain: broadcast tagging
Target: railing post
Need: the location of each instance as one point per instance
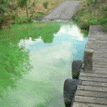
(88, 59)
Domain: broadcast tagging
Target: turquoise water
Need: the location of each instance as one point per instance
(43, 85)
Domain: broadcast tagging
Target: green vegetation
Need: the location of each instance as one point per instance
(53, 3)
(22, 20)
(34, 3)
(45, 4)
(91, 12)
(15, 60)
(18, 20)
(84, 17)
(22, 3)
(39, 15)
(13, 64)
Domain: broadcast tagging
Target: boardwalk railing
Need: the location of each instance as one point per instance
(88, 59)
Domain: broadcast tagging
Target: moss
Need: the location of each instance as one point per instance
(67, 99)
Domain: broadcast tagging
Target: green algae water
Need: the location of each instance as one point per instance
(36, 59)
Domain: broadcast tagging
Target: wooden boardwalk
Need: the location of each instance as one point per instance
(93, 90)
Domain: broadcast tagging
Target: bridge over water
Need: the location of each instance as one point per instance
(92, 92)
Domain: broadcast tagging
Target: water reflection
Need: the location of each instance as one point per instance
(52, 62)
(43, 85)
(12, 65)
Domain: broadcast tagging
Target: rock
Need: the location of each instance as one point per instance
(76, 68)
(70, 86)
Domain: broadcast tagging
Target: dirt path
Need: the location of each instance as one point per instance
(64, 11)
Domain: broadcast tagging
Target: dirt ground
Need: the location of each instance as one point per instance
(35, 11)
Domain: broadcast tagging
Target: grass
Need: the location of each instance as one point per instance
(53, 3)
(84, 17)
(22, 20)
(40, 15)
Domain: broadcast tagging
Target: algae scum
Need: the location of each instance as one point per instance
(36, 59)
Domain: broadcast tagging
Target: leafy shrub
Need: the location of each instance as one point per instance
(1, 10)
(102, 20)
(45, 4)
(33, 3)
(14, 16)
(22, 20)
(105, 8)
(22, 2)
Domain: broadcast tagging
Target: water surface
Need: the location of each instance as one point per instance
(43, 85)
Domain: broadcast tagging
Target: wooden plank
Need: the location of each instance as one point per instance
(91, 94)
(100, 52)
(92, 83)
(100, 36)
(99, 66)
(104, 54)
(100, 69)
(91, 100)
(97, 38)
(96, 71)
(99, 63)
(96, 48)
(100, 60)
(92, 88)
(97, 42)
(95, 28)
(97, 45)
(101, 72)
(93, 75)
(92, 79)
(100, 56)
(77, 104)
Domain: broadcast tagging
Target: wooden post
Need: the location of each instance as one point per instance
(88, 59)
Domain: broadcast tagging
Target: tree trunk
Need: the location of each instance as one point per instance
(26, 9)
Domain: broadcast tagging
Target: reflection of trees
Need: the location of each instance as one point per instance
(47, 32)
(14, 62)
